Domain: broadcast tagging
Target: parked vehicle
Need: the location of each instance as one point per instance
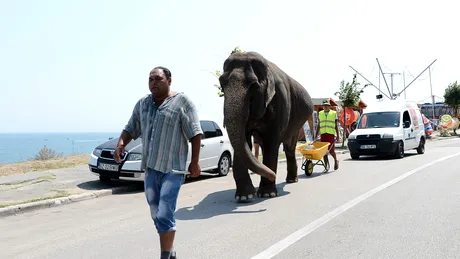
(390, 127)
(215, 156)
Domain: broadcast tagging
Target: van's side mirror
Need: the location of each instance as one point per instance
(406, 124)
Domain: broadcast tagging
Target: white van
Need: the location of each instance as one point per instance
(389, 127)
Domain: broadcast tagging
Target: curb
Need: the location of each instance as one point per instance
(28, 207)
(443, 138)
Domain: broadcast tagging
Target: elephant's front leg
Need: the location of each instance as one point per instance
(291, 162)
(267, 188)
(245, 190)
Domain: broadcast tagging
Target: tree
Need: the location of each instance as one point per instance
(46, 153)
(218, 73)
(452, 97)
(350, 95)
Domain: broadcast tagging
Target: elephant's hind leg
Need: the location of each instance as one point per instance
(291, 162)
(245, 190)
(267, 188)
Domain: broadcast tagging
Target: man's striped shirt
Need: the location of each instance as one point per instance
(165, 131)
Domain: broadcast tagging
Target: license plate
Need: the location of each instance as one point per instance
(368, 146)
(108, 167)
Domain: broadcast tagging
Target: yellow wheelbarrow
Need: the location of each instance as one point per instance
(317, 153)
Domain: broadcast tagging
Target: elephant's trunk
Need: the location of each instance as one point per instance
(236, 111)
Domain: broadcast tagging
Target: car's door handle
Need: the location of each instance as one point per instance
(412, 130)
(202, 145)
(221, 142)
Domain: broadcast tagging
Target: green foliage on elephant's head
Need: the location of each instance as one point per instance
(219, 73)
(349, 93)
(452, 97)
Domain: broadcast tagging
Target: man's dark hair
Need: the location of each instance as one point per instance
(165, 70)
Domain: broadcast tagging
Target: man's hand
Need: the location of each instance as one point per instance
(119, 153)
(194, 169)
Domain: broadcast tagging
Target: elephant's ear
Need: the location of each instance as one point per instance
(265, 78)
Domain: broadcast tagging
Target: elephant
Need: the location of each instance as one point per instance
(263, 102)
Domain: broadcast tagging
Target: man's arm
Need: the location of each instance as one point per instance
(125, 138)
(337, 125)
(317, 129)
(131, 130)
(192, 129)
(196, 146)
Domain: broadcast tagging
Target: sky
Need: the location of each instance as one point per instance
(80, 66)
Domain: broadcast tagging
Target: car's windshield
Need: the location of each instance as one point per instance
(379, 120)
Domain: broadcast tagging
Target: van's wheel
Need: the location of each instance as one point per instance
(223, 167)
(421, 146)
(104, 179)
(400, 150)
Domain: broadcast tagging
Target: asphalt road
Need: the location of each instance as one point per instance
(407, 208)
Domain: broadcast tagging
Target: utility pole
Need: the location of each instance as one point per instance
(404, 83)
(391, 74)
(370, 83)
(431, 89)
(417, 77)
(385, 80)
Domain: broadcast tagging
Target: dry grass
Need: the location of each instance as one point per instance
(42, 165)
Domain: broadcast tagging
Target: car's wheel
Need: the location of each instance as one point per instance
(104, 179)
(400, 150)
(223, 167)
(421, 146)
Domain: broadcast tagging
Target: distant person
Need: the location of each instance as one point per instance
(328, 127)
(165, 121)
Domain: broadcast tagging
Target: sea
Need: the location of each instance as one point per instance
(19, 147)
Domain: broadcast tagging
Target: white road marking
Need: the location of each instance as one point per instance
(304, 231)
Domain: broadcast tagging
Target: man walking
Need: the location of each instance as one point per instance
(328, 128)
(166, 121)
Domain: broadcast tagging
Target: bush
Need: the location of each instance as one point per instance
(46, 153)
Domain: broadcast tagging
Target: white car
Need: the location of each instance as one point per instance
(215, 156)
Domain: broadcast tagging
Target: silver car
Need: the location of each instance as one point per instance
(215, 156)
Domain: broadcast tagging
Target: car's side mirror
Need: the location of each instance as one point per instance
(406, 124)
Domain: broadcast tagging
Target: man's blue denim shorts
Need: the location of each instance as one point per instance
(162, 191)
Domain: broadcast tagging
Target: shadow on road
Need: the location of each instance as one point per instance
(378, 158)
(126, 186)
(117, 186)
(203, 176)
(220, 203)
(314, 174)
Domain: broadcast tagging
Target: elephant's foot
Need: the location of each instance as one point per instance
(245, 193)
(290, 179)
(292, 172)
(267, 191)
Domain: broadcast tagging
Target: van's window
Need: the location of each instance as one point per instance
(406, 117)
(379, 120)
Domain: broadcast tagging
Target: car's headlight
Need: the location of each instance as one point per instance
(387, 136)
(351, 136)
(97, 152)
(134, 157)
